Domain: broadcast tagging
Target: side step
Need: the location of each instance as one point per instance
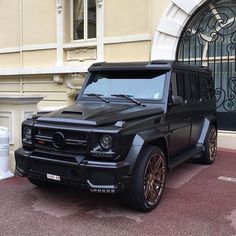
(185, 156)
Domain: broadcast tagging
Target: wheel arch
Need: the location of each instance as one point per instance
(160, 142)
(208, 121)
(139, 145)
(214, 123)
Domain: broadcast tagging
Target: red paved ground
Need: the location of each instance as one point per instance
(195, 203)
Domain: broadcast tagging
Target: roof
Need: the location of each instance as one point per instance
(154, 65)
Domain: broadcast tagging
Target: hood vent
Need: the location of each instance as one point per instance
(72, 113)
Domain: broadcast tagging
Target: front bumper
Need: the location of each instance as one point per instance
(105, 177)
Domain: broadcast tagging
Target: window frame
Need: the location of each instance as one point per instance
(174, 84)
(85, 39)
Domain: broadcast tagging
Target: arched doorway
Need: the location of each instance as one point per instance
(209, 39)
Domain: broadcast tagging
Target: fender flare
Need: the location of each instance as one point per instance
(206, 123)
(136, 149)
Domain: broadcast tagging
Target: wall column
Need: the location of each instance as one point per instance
(100, 30)
(60, 31)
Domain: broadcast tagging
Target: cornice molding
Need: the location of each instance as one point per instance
(20, 99)
(78, 44)
(64, 69)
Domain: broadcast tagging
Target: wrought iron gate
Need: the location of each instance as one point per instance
(209, 39)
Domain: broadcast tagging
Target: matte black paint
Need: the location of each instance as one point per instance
(179, 130)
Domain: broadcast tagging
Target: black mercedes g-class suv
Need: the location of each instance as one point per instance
(130, 124)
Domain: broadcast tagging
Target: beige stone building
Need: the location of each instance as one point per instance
(46, 47)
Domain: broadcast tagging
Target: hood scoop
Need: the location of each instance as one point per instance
(72, 113)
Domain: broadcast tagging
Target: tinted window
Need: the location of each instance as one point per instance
(178, 85)
(207, 87)
(193, 88)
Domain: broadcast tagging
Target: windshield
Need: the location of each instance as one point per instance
(135, 84)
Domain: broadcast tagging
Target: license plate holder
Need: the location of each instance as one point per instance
(53, 177)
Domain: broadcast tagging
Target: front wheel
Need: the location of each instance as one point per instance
(148, 180)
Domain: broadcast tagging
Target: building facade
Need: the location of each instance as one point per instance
(47, 46)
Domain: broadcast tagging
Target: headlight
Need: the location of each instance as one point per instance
(105, 141)
(27, 132)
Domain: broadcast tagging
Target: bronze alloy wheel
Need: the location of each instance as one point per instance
(210, 147)
(148, 180)
(212, 139)
(154, 179)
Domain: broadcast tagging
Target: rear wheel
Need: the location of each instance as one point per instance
(210, 146)
(148, 180)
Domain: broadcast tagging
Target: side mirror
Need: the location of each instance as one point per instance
(177, 100)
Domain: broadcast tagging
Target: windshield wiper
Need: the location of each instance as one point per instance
(98, 96)
(128, 97)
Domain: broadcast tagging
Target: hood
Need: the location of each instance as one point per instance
(99, 114)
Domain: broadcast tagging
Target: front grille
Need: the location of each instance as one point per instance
(55, 156)
(75, 142)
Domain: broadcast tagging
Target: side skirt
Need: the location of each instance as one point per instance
(185, 156)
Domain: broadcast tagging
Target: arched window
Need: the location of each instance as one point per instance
(209, 38)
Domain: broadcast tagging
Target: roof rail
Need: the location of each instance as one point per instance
(161, 62)
(97, 63)
(204, 68)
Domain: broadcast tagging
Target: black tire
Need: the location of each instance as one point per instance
(39, 183)
(148, 180)
(210, 147)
